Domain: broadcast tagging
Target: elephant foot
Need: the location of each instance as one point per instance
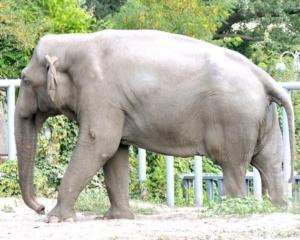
(116, 213)
(279, 201)
(54, 219)
(61, 215)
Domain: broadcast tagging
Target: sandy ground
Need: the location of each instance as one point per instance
(19, 222)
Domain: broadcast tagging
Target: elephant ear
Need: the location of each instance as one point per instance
(51, 76)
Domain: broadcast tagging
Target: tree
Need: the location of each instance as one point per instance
(103, 8)
(23, 22)
(195, 18)
(275, 22)
(17, 37)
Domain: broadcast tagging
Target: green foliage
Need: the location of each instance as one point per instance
(103, 8)
(276, 20)
(59, 147)
(190, 17)
(53, 154)
(93, 201)
(209, 167)
(242, 207)
(294, 207)
(9, 184)
(23, 22)
(66, 16)
(135, 188)
(17, 38)
(156, 176)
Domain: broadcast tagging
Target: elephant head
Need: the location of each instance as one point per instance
(45, 91)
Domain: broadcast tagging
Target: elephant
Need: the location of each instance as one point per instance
(164, 92)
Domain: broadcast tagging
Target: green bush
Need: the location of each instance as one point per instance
(93, 200)
(9, 178)
(9, 184)
(242, 206)
(190, 17)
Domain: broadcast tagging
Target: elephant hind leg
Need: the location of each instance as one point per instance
(233, 153)
(269, 166)
(116, 173)
(268, 161)
(234, 165)
(234, 179)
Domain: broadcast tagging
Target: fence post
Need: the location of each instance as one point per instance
(286, 153)
(142, 172)
(10, 120)
(170, 180)
(142, 165)
(198, 182)
(257, 184)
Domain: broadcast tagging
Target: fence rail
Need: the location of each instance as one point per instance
(10, 86)
(213, 182)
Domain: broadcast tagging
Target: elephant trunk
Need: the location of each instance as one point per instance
(26, 139)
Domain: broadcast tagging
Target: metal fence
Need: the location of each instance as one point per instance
(214, 186)
(10, 86)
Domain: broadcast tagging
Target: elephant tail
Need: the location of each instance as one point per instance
(281, 97)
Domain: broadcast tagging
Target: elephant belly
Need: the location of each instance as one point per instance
(166, 135)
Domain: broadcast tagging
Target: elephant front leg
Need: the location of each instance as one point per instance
(92, 151)
(116, 173)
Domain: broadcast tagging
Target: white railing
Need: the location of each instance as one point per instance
(10, 86)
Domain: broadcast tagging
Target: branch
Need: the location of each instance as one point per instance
(236, 17)
(244, 37)
(293, 11)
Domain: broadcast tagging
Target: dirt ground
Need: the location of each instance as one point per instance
(19, 222)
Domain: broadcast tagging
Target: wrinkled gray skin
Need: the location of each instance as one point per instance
(164, 92)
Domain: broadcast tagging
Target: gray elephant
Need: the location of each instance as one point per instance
(168, 93)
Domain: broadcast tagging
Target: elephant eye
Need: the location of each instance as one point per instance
(26, 82)
(47, 67)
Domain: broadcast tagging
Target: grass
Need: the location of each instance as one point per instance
(7, 209)
(143, 208)
(294, 207)
(95, 201)
(242, 207)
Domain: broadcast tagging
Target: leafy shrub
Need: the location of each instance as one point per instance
(9, 184)
(59, 147)
(135, 187)
(190, 17)
(242, 206)
(93, 200)
(103, 8)
(66, 16)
